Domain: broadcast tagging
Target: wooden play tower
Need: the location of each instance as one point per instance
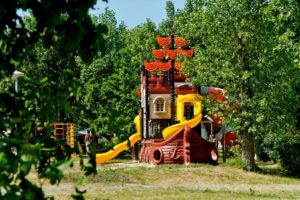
(64, 131)
(170, 127)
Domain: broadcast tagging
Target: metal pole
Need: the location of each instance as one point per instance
(172, 84)
(224, 148)
(147, 104)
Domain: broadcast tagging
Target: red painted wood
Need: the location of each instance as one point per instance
(183, 147)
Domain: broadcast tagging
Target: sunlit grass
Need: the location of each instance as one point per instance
(124, 179)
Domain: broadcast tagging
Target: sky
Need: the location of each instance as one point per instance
(135, 12)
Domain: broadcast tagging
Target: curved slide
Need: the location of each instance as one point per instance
(102, 157)
(169, 131)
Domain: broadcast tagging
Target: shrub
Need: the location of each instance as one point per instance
(288, 151)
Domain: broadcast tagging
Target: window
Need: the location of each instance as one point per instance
(159, 105)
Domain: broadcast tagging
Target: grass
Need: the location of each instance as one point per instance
(123, 179)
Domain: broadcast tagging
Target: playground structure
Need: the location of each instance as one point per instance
(64, 131)
(171, 124)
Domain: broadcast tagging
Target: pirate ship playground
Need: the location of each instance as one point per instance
(171, 126)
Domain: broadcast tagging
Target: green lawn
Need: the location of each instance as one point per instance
(123, 179)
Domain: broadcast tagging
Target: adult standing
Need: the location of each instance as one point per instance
(88, 139)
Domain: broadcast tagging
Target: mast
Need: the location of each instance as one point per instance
(165, 61)
(172, 82)
(147, 105)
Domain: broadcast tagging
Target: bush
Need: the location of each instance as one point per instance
(288, 152)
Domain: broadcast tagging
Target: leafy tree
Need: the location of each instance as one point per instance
(241, 50)
(47, 43)
(284, 138)
(167, 26)
(110, 82)
(187, 23)
(189, 6)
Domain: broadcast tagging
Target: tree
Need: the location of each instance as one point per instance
(242, 51)
(167, 26)
(109, 92)
(54, 29)
(284, 139)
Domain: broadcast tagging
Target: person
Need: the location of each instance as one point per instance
(88, 139)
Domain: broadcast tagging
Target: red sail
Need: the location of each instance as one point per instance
(172, 53)
(150, 66)
(180, 41)
(164, 66)
(164, 41)
(159, 53)
(178, 66)
(188, 53)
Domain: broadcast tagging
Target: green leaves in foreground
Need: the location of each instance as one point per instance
(42, 42)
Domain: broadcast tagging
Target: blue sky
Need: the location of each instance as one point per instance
(135, 12)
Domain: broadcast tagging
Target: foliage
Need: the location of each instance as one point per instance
(251, 48)
(110, 81)
(288, 152)
(44, 46)
(167, 26)
(247, 48)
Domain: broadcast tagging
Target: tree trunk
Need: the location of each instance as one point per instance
(248, 150)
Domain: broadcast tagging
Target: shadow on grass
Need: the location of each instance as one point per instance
(270, 168)
(265, 168)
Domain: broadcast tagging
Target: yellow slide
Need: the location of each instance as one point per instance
(181, 99)
(102, 157)
(167, 132)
